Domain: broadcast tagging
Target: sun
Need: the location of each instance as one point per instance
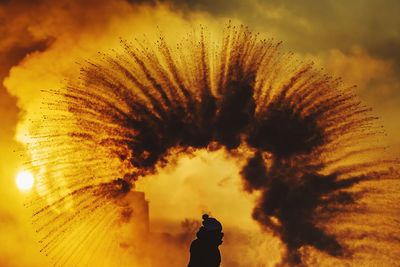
(24, 180)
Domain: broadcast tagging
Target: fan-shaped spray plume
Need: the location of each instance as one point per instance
(130, 111)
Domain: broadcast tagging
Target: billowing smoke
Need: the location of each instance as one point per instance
(130, 112)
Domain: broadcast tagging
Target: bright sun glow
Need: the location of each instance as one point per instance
(24, 180)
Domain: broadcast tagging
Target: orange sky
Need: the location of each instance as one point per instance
(41, 41)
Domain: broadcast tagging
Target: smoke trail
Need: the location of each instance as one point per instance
(130, 111)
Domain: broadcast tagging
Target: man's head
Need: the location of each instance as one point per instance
(211, 224)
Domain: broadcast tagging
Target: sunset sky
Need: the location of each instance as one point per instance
(42, 41)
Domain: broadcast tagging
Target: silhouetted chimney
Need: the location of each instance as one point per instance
(140, 212)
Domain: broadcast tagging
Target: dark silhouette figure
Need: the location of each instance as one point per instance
(204, 250)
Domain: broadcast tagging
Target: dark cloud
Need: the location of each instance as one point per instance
(307, 26)
(312, 26)
(10, 57)
(218, 8)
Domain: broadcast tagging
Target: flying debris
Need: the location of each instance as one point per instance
(130, 111)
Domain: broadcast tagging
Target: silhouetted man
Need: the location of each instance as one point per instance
(204, 250)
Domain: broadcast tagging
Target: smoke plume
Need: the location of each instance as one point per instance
(131, 112)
